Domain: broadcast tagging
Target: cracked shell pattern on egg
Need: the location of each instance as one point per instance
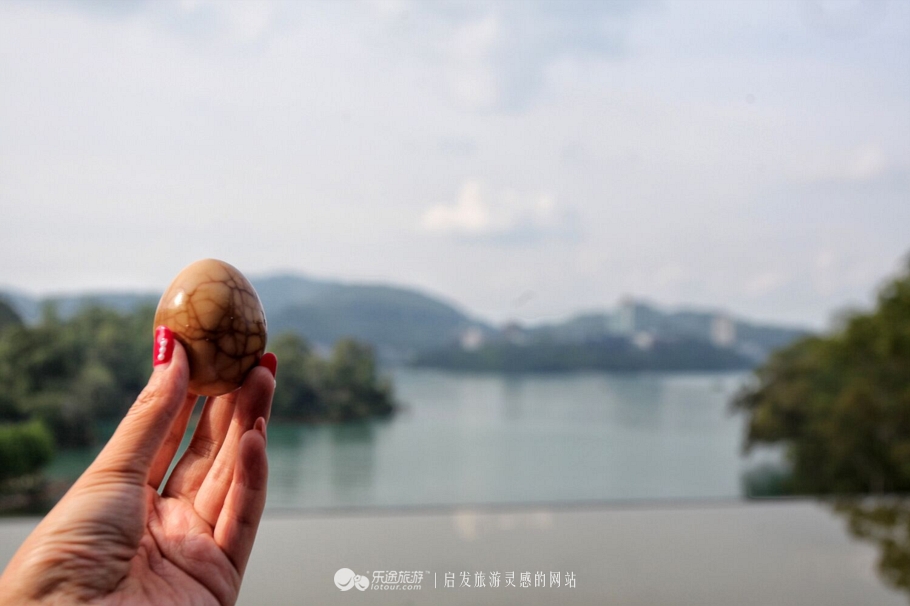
(216, 315)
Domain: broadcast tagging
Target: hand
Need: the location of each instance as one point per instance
(113, 539)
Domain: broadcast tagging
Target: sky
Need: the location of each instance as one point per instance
(523, 160)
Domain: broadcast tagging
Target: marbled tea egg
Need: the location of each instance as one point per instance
(216, 314)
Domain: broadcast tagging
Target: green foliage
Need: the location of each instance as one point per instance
(344, 387)
(767, 480)
(296, 393)
(8, 316)
(350, 385)
(24, 449)
(72, 373)
(841, 403)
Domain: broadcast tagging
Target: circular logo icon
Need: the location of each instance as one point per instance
(346, 578)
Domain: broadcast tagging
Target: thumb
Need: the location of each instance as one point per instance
(133, 447)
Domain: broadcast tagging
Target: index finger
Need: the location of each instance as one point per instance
(171, 444)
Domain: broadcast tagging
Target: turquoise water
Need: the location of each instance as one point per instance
(495, 439)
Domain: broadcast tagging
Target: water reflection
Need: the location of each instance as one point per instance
(513, 398)
(286, 445)
(352, 460)
(886, 524)
(637, 401)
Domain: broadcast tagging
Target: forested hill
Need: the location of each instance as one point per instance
(398, 322)
(405, 325)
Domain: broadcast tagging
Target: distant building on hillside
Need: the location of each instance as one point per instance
(471, 339)
(723, 330)
(643, 340)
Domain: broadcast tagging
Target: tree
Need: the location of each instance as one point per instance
(297, 393)
(352, 388)
(344, 387)
(840, 403)
(71, 373)
(24, 449)
(8, 316)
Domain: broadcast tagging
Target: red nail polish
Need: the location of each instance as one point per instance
(270, 361)
(164, 346)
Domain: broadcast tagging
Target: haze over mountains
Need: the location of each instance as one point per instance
(402, 323)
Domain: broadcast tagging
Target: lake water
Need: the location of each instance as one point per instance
(471, 439)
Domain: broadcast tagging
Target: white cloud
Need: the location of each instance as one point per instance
(479, 211)
(470, 214)
(865, 163)
(861, 163)
(494, 55)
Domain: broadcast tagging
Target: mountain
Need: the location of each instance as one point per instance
(637, 320)
(283, 290)
(398, 322)
(402, 323)
(29, 307)
(635, 336)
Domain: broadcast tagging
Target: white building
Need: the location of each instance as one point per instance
(472, 339)
(723, 330)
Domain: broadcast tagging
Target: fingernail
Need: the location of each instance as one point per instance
(260, 427)
(164, 346)
(270, 361)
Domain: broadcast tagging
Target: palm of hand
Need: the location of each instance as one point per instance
(175, 561)
(113, 539)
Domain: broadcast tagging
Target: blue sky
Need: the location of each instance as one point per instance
(525, 160)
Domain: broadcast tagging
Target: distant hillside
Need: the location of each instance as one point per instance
(398, 322)
(29, 308)
(631, 318)
(403, 324)
(633, 336)
(281, 291)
